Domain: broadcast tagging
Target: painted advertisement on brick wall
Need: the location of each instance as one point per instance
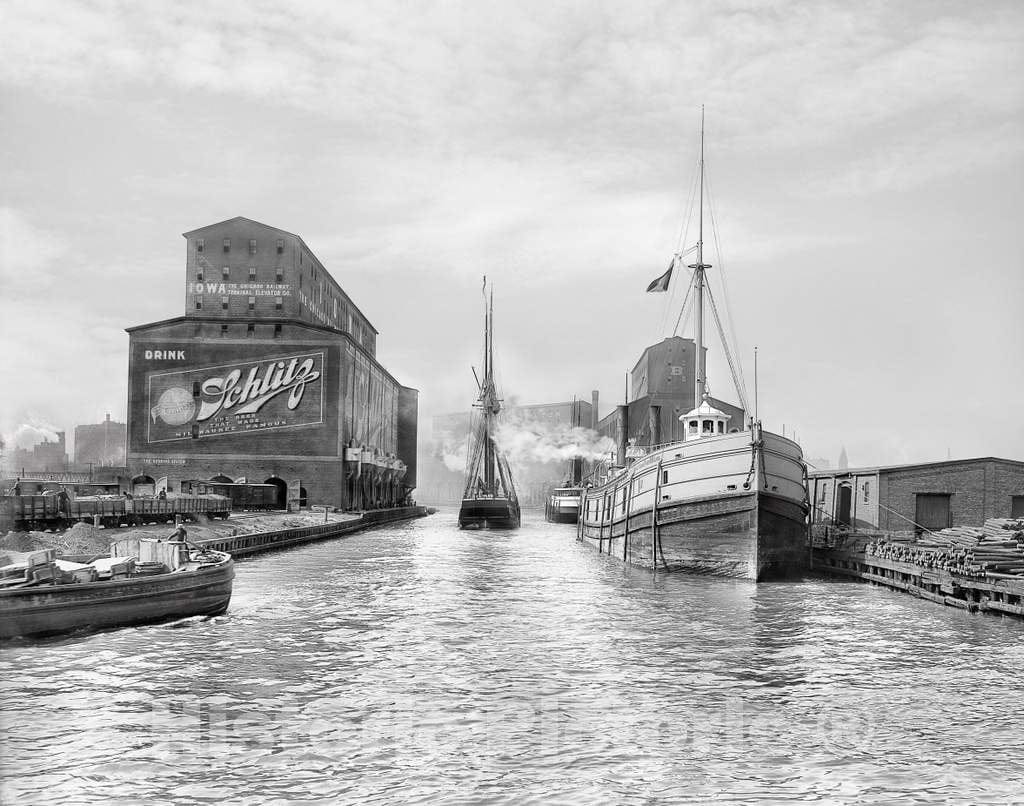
(236, 398)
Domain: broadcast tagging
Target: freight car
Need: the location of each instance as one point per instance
(59, 510)
(243, 495)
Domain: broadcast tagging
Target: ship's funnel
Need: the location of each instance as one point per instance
(622, 435)
(654, 421)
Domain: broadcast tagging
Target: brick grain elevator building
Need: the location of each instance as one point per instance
(270, 376)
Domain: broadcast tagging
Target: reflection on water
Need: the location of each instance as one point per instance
(418, 663)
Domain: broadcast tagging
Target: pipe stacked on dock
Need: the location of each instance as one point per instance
(996, 547)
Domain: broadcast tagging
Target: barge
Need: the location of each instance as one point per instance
(142, 582)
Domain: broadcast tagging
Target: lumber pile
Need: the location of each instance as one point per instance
(996, 547)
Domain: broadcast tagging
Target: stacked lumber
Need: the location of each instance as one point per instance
(997, 547)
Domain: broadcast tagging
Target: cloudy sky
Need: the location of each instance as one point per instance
(864, 161)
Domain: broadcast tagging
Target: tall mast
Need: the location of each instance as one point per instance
(488, 399)
(698, 281)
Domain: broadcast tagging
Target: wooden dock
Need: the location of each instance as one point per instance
(990, 592)
(244, 545)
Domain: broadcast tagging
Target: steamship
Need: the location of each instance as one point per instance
(489, 500)
(729, 499)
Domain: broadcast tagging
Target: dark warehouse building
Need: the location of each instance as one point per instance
(270, 377)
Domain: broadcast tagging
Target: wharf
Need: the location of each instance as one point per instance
(244, 545)
(990, 592)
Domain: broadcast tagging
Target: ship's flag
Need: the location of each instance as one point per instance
(661, 284)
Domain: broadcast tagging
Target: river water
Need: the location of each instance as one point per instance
(420, 664)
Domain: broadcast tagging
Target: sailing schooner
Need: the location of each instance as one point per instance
(489, 500)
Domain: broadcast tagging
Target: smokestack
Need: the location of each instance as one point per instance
(593, 410)
(622, 435)
(654, 421)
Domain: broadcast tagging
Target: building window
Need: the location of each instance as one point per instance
(280, 246)
(278, 303)
(223, 303)
(223, 330)
(225, 272)
(199, 303)
(277, 330)
(280, 274)
(200, 243)
(664, 477)
(250, 331)
(227, 244)
(252, 246)
(867, 491)
(300, 258)
(252, 272)
(252, 303)
(199, 275)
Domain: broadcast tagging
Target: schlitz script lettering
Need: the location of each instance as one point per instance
(257, 390)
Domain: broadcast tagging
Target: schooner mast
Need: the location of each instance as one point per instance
(488, 472)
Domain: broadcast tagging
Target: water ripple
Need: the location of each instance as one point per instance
(418, 664)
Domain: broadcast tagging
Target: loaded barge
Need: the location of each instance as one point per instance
(976, 569)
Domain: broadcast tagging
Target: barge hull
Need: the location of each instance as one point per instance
(53, 610)
(755, 536)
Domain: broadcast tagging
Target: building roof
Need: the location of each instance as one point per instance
(304, 245)
(853, 471)
(705, 409)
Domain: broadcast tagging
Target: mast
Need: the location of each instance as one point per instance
(488, 400)
(698, 281)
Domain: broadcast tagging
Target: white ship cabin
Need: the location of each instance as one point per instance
(705, 421)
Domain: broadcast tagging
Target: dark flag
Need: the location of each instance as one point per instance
(661, 284)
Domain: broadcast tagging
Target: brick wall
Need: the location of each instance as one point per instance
(978, 490)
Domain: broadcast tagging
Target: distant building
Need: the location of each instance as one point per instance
(664, 383)
(930, 495)
(270, 376)
(843, 461)
(100, 445)
(819, 463)
(48, 455)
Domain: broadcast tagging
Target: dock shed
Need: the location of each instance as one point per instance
(925, 496)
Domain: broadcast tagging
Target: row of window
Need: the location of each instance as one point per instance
(225, 274)
(201, 245)
(278, 303)
(250, 331)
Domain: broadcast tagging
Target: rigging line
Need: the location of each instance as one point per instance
(725, 287)
(684, 231)
(682, 308)
(728, 352)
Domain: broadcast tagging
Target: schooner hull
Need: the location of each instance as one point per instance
(489, 513)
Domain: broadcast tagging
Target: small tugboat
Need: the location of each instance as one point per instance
(489, 500)
(729, 499)
(142, 581)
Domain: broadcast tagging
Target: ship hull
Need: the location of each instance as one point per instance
(52, 610)
(754, 536)
(731, 506)
(489, 513)
(562, 516)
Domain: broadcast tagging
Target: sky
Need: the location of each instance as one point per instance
(865, 164)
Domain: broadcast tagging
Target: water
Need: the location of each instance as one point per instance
(418, 664)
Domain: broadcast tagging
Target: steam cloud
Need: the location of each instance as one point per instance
(28, 434)
(524, 442)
